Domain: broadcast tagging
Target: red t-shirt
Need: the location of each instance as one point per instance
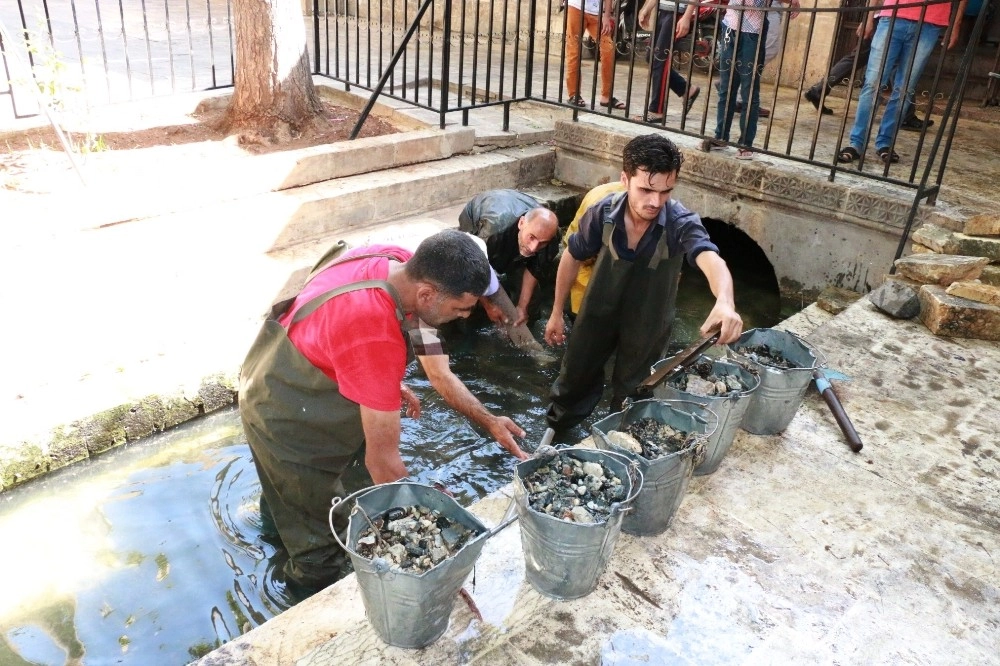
(355, 338)
(937, 14)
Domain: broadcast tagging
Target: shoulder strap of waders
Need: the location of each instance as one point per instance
(317, 301)
(326, 261)
(660, 251)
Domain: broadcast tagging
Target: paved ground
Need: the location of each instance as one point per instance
(795, 550)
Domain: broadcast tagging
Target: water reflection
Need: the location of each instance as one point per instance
(153, 554)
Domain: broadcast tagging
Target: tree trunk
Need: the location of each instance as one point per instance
(273, 94)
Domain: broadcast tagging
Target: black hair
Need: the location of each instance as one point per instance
(452, 262)
(654, 153)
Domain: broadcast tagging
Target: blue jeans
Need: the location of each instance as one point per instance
(899, 47)
(743, 77)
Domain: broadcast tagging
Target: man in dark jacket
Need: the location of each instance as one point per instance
(519, 235)
(639, 238)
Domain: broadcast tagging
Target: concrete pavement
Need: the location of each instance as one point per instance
(795, 551)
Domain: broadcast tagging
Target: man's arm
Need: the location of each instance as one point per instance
(456, 394)
(528, 284)
(382, 445)
(956, 28)
(565, 277)
(721, 283)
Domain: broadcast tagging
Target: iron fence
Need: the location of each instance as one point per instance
(460, 55)
(94, 52)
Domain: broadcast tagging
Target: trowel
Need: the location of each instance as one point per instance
(686, 357)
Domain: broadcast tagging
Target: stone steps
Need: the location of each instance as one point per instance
(954, 276)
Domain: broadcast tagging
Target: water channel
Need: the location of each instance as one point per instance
(152, 553)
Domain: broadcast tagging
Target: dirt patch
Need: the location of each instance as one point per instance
(37, 149)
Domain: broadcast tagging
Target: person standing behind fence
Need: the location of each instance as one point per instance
(661, 74)
(589, 15)
(741, 63)
(840, 73)
(915, 32)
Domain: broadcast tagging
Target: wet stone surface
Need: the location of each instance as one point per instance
(699, 379)
(764, 355)
(414, 539)
(573, 490)
(651, 439)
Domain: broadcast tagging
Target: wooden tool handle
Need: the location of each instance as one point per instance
(839, 415)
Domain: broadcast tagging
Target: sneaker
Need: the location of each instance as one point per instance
(914, 124)
(813, 98)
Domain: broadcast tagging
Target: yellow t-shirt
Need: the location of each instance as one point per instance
(583, 277)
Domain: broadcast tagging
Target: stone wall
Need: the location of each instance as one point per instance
(814, 233)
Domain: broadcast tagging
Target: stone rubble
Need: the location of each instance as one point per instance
(651, 439)
(896, 299)
(573, 490)
(764, 355)
(699, 379)
(413, 539)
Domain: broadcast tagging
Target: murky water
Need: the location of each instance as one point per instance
(152, 554)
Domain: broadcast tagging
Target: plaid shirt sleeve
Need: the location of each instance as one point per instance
(424, 339)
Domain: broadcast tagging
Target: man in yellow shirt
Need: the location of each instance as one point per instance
(583, 277)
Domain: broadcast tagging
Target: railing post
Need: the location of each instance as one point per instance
(316, 59)
(400, 50)
(529, 60)
(445, 63)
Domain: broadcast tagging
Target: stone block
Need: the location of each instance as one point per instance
(836, 299)
(917, 248)
(987, 224)
(957, 317)
(942, 269)
(937, 238)
(896, 299)
(975, 291)
(990, 275)
(978, 246)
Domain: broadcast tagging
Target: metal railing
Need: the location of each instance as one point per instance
(448, 56)
(98, 52)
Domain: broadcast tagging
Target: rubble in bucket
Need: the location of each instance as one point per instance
(699, 379)
(651, 439)
(574, 490)
(765, 355)
(414, 539)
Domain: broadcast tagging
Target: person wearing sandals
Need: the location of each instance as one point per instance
(741, 63)
(903, 33)
(661, 74)
(589, 15)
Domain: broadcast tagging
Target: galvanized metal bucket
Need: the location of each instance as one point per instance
(781, 390)
(564, 559)
(729, 409)
(409, 610)
(665, 480)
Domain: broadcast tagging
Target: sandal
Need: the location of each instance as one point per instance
(744, 154)
(848, 154)
(576, 100)
(655, 119)
(888, 156)
(613, 103)
(689, 102)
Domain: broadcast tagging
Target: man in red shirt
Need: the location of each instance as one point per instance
(321, 388)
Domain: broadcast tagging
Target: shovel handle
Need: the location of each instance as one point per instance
(839, 415)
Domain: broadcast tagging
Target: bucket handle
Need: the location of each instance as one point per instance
(634, 475)
(336, 502)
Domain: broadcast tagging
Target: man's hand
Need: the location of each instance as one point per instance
(493, 311)
(794, 4)
(522, 316)
(411, 401)
(646, 16)
(607, 24)
(504, 430)
(732, 324)
(683, 26)
(555, 330)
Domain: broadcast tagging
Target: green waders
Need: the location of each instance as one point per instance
(629, 308)
(303, 434)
